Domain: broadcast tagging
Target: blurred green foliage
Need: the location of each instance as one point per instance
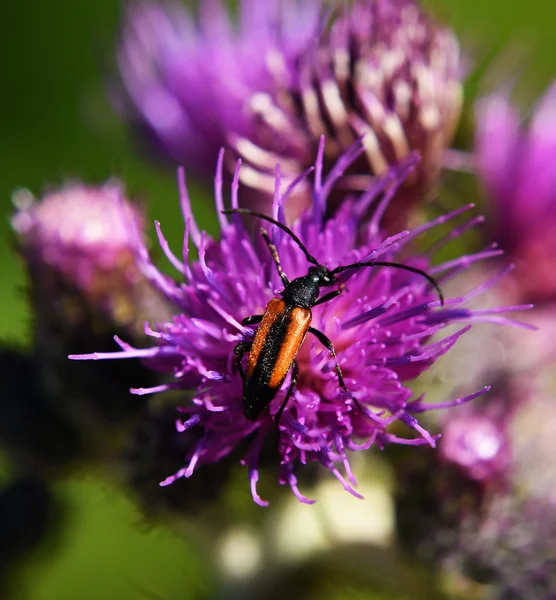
(107, 550)
(55, 124)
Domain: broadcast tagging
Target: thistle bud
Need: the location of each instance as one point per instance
(79, 245)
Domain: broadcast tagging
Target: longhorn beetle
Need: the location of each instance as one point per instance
(285, 323)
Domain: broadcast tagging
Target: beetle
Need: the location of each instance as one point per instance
(285, 323)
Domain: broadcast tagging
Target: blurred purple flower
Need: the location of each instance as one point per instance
(517, 169)
(484, 507)
(79, 236)
(381, 326)
(189, 80)
(79, 245)
(508, 547)
(286, 73)
(477, 441)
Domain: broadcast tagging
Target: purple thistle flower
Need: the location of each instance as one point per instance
(517, 170)
(477, 441)
(79, 245)
(82, 241)
(79, 237)
(382, 327)
(286, 73)
(484, 507)
(187, 78)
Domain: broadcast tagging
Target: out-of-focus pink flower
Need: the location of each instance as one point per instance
(476, 442)
(483, 509)
(287, 72)
(80, 244)
(79, 237)
(516, 165)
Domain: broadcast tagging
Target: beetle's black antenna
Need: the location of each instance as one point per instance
(247, 211)
(424, 274)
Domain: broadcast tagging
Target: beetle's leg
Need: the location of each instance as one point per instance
(330, 296)
(275, 256)
(330, 346)
(293, 381)
(252, 320)
(239, 351)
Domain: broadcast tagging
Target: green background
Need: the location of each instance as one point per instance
(55, 124)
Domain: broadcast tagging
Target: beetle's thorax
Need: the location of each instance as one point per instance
(304, 291)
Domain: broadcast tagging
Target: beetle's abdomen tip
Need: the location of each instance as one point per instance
(251, 413)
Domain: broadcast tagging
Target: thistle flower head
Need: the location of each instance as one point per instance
(287, 73)
(79, 237)
(477, 443)
(381, 326)
(483, 509)
(186, 77)
(517, 169)
(79, 245)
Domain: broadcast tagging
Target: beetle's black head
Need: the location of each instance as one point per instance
(322, 275)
